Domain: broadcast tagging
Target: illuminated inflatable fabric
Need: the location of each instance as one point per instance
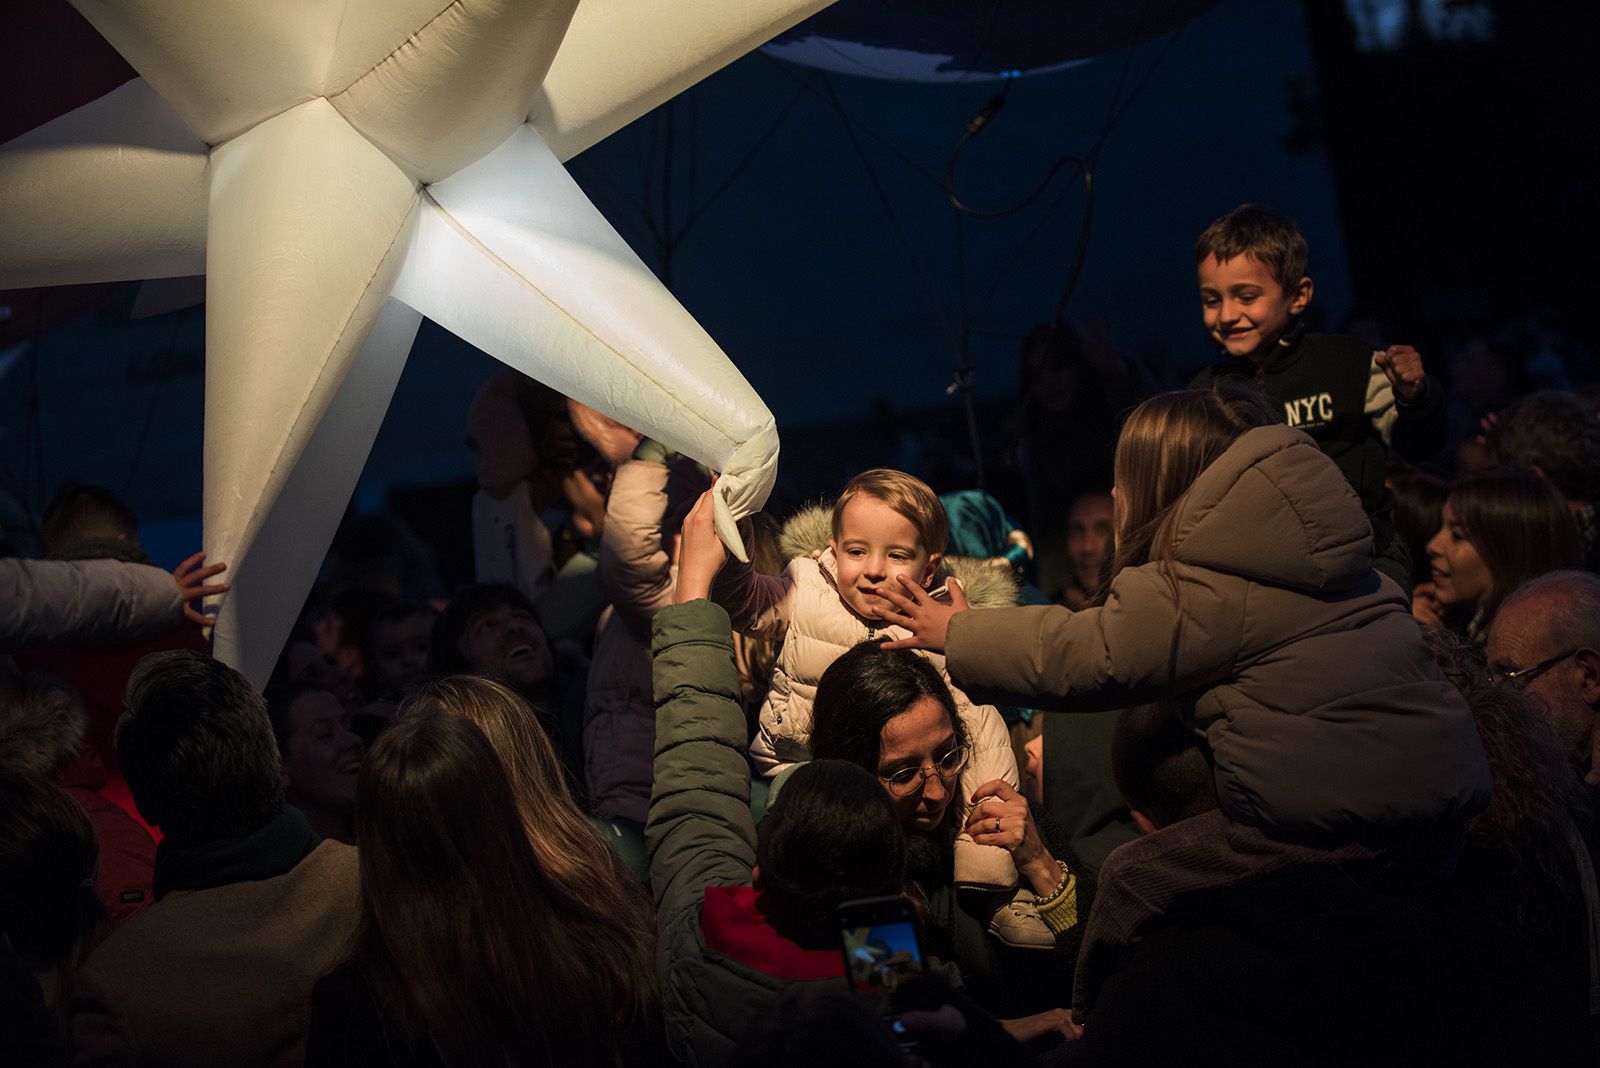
(338, 171)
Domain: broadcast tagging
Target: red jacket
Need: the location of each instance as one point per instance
(127, 852)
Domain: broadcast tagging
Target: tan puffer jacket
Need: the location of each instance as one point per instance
(802, 607)
(1304, 667)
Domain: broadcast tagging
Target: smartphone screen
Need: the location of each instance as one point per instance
(880, 958)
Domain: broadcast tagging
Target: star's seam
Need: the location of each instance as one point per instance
(393, 51)
(520, 277)
(253, 527)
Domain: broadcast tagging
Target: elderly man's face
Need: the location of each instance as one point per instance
(1520, 639)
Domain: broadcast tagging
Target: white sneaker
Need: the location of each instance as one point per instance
(1018, 924)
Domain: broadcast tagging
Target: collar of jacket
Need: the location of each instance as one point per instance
(265, 853)
(1286, 350)
(733, 926)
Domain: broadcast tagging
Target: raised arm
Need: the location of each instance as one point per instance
(700, 832)
(635, 569)
(757, 604)
(1406, 404)
(84, 602)
(1117, 655)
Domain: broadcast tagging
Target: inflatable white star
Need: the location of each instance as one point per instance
(339, 169)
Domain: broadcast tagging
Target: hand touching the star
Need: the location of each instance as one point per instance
(191, 579)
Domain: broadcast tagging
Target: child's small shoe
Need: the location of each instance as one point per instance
(1018, 924)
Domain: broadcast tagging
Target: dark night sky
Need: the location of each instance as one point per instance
(822, 299)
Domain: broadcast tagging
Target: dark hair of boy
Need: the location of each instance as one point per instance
(80, 512)
(464, 609)
(831, 837)
(197, 749)
(862, 691)
(1558, 433)
(1266, 235)
(1162, 769)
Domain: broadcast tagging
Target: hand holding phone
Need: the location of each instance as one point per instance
(882, 949)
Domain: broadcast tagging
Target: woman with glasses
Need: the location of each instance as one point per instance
(889, 711)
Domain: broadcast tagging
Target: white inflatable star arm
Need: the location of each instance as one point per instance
(308, 225)
(510, 255)
(113, 190)
(588, 95)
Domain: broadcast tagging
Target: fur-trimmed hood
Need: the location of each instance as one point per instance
(40, 729)
(808, 531)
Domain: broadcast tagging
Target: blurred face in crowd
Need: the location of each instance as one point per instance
(497, 436)
(310, 665)
(1246, 309)
(400, 653)
(875, 544)
(919, 738)
(507, 643)
(1089, 537)
(1459, 574)
(322, 756)
(1568, 687)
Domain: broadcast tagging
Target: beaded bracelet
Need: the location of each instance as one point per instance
(1060, 889)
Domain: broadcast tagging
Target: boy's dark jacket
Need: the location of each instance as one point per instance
(1331, 389)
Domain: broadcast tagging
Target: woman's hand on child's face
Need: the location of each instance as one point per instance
(700, 552)
(914, 609)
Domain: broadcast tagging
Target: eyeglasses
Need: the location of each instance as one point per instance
(1522, 676)
(906, 781)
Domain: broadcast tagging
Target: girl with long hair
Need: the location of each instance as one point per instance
(471, 950)
(1243, 587)
(1499, 529)
(562, 839)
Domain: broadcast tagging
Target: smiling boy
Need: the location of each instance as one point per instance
(1354, 402)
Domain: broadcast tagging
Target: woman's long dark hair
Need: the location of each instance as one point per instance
(1521, 527)
(463, 934)
(862, 691)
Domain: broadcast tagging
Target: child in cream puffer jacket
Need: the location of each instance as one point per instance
(885, 524)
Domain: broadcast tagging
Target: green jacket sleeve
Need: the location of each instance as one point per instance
(700, 832)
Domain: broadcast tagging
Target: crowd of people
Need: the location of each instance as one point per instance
(1269, 734)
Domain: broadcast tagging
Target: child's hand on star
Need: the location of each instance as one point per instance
(701, 553)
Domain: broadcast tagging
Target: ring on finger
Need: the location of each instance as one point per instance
(997, 824)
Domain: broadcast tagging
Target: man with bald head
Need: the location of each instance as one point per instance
(1546, 640)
